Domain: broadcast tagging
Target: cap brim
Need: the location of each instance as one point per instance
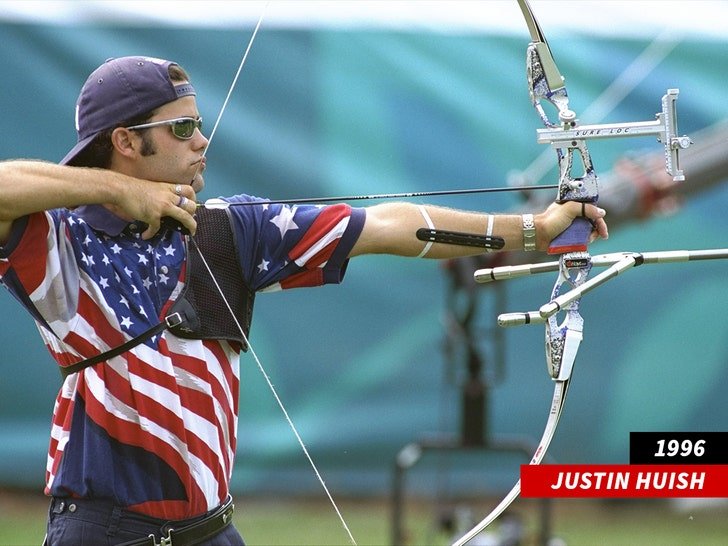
(77, 149)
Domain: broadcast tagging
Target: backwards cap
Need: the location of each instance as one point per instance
(119, 90)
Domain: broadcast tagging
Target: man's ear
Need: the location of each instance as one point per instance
(125, 142)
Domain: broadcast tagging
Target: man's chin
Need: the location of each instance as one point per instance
(198, 184)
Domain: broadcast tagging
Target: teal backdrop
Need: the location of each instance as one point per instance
(361, 367)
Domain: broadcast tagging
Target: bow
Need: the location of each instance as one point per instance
(564, 323)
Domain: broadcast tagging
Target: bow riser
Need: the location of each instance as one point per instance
(547, 84)
(563, 337)
(543, 87)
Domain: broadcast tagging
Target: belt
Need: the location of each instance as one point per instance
(191, 534)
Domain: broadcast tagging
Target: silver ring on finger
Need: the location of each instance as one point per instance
(178, 189)
(182, 201)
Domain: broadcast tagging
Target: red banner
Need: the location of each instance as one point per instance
(622, 480)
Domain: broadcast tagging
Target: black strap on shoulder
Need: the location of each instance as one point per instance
(192, 315)
(170, 321)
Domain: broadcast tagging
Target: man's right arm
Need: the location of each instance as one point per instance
(28, 186)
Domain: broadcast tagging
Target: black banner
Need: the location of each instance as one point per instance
(678, 448)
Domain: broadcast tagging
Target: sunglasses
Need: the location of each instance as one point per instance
(182, 128)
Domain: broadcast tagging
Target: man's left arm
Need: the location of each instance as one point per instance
(390, 228)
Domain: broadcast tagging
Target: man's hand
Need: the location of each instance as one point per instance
(558, 216)
(151, 202)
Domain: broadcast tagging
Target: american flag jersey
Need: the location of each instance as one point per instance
(154, 429)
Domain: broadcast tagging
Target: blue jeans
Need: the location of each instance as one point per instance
(79, 522)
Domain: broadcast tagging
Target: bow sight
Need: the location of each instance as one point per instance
(572, 135)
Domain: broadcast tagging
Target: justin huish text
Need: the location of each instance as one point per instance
(629, 480)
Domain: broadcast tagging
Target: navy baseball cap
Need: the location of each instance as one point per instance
(119, 90)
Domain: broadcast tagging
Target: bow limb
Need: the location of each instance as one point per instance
(557, 405)
(562, 344)
(257, 360)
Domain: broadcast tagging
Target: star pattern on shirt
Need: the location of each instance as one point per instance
(136, 277)
(284, 220)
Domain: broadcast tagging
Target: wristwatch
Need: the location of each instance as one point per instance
(529, 232)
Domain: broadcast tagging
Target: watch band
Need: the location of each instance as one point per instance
(529, 232)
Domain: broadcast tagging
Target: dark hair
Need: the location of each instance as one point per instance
(98, 152)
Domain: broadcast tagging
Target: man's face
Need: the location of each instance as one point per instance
(168, 158)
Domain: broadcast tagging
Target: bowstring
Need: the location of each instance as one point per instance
(257, 360)
(259, 364)
(232, 86)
